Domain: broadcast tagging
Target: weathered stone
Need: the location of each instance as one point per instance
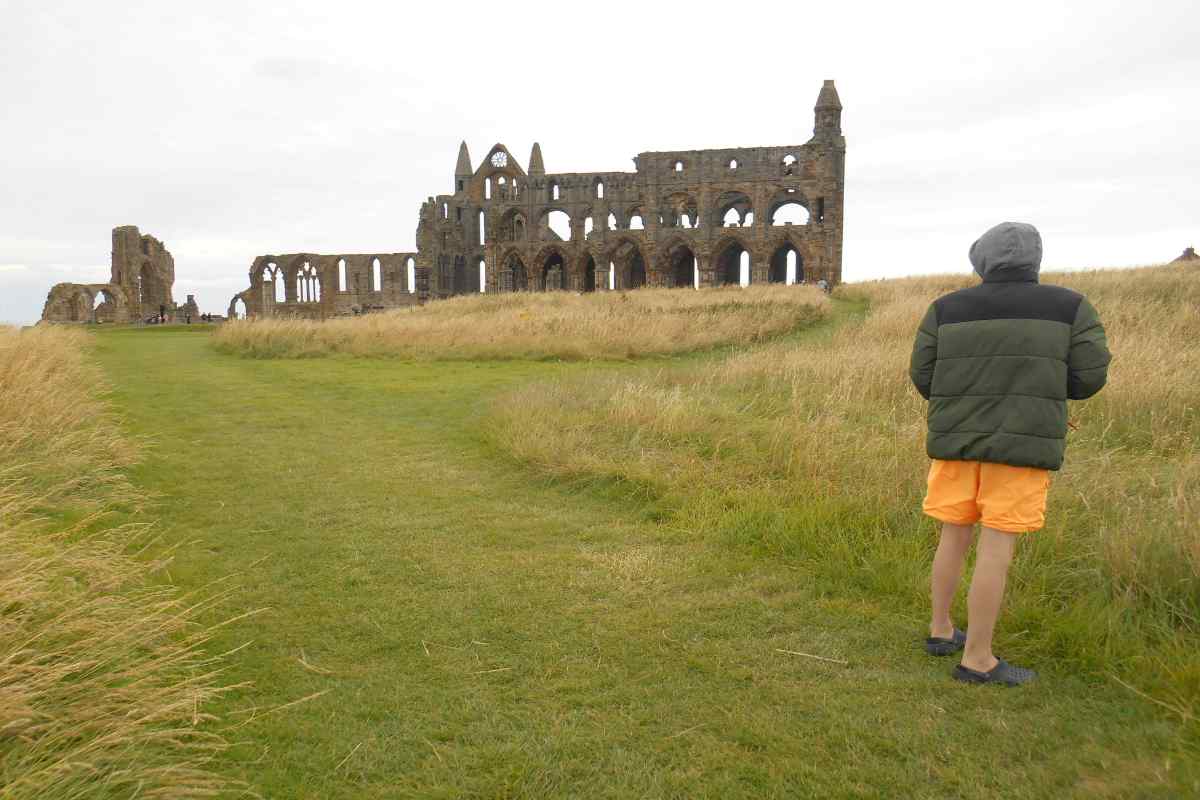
(1188, 255)
(681, 218)
(140, 282)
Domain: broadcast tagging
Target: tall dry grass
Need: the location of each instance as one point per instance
(103, 679)
(814, 450)
(560, 325)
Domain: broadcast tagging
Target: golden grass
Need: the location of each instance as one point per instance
(103, 683)
(562, 325)
(814, 449)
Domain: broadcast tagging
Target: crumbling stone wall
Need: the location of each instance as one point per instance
(682, 218)
(316, 286)
(1189, 254)
(142, 275)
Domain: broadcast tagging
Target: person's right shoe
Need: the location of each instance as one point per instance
(1003, 673)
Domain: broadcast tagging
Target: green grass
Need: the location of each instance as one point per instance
(482, 632)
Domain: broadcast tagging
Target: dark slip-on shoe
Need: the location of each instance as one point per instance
(937, 646)
(1003, 673)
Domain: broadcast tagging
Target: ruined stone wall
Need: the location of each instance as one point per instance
(682, 218)
(316, 286)
(142, 276)
(679, 213)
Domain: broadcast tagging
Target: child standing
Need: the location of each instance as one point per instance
(997, 363)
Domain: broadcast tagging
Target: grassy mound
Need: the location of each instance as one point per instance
(103, 684)
(559, 325)
(813, 451)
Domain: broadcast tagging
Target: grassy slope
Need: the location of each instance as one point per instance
(483, 634)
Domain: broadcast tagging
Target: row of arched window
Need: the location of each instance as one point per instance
(308, 280)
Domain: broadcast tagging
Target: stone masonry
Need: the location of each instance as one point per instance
(140, 283)
(682, 218)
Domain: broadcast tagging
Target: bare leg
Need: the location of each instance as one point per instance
(992, 558)
(947, 569)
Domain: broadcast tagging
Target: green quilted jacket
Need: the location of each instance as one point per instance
(998, 361)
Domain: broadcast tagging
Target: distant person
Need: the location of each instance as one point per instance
(824, 287)
(997, 362)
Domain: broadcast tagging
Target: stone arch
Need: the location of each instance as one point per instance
(308, 284)
(730, 259)
(551, 268)
(780, 270)
(787, 197)
(513, 276)
(234, 313)
(513, 226)
(104, 305)
(588, 283)
(678, 264)
(680, 210)
(546, 222)
(730, 204)
(629, 263)
(638, 213)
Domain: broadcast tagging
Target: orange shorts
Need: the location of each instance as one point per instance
(1003, 497)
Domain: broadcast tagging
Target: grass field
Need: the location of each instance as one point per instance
(557, 325)
(467, 627)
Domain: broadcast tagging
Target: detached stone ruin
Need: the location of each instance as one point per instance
(1188, 255)
(139, 286)
(683, 218)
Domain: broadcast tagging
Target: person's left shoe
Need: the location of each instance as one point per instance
(938, 646)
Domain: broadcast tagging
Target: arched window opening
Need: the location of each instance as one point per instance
(482, 228)
(682, 267)
(612, 276)
(516, 189)
(376, 276)
(600, 189)
(445, 211)
(636, 223)
(789, 164)
(482, 275)
(554, 191)
(790, 213)
(558, 226)
(271, 274)
(786, 265)
(308, 284)
(733, 164)
(553, 273)
(589, 275)
(732, 218)
(239, 308)
(730, 263)
(513, 277)
(612, 221)
(679, 166)
(588, 226)
(820, 209)
(487, 189)
(341, 274)
(411, 276)
(502, 181)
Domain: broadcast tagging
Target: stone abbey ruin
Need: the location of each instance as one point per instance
(682, 218)
(139, 285)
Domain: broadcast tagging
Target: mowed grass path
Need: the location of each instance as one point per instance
(482, 633)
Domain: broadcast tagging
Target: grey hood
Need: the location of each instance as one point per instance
(1011, 251)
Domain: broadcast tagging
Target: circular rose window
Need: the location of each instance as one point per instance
(499, 159)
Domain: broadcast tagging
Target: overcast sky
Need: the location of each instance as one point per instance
(233, 129)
